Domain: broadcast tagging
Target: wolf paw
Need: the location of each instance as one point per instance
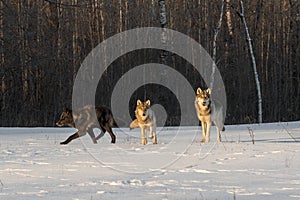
(144, 141)
(154, 140)
(63, 143)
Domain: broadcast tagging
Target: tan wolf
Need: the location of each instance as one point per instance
(85, 122)
(145, 119)
(208, 111)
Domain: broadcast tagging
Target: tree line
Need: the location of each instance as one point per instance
(44, 42)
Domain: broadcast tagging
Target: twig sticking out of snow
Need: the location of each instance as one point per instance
(1, 185)
(251, 134)
(288, 132)
(288, 161)
(234, 196)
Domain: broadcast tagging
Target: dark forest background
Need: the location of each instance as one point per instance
(43, 43)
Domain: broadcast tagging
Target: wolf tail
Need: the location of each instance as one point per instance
(223, 129)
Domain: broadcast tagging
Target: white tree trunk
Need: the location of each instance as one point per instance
(242, 15)
(163, 23)
(215, 46)
(228, 17)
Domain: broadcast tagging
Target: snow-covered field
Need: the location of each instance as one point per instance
(34, 166)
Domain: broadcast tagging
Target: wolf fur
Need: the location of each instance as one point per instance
(208, 111)
(85, 122)
(145, 119)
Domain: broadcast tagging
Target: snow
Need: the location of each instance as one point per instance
(34, 166)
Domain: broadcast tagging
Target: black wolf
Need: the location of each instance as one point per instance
(85, 122)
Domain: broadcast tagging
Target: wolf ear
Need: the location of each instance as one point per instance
(199, 91)
(67, 110)
(147, 102)
(138, 102)
(208, 91)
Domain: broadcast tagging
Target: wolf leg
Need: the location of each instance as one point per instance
(218, 134)
(92, 135)
(152, 130)
(109, 130)
(219, 127)
(102, 129)
(203, 125)
(143, 133)
(154, 139)
(72, 137)
(208, 125)
(134, 124)
(100, 135)
(152, 134)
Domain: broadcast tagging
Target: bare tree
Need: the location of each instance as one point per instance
(214, 57)
(163, 23)
(228, 18)
(242, 15)
(43, 43)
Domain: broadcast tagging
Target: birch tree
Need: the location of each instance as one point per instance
(242, 16)
(228, 18)
(163, 23)
(43, 43)
(215, 46)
